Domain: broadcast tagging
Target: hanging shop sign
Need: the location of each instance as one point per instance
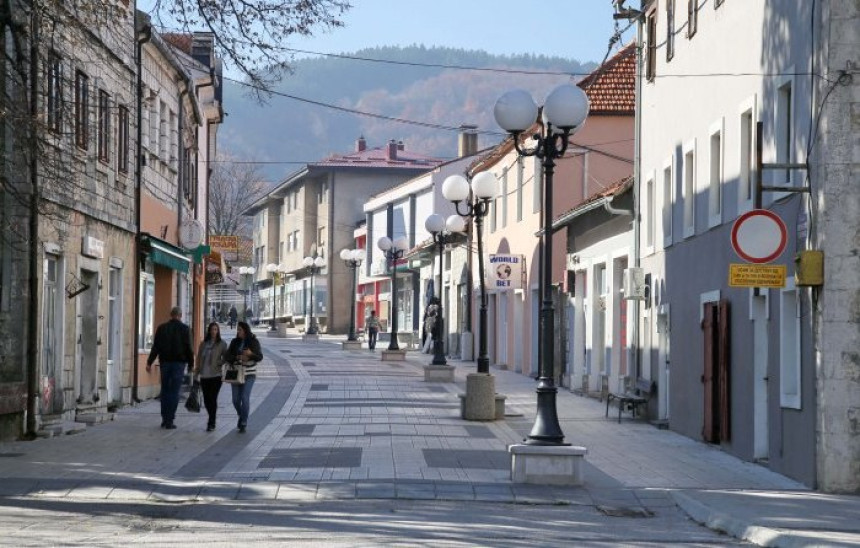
(505, 272)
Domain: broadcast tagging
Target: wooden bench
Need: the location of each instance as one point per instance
(633, 399)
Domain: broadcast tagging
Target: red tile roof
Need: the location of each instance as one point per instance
(387, 156)
(611, 88)
(179, 41)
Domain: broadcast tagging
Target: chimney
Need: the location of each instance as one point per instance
(203, 47)
(467, 142)
(392, 149)
(360, 144)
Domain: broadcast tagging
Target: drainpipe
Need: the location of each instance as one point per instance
(637, 169)
(180, 206)
(33, 245)
(607, 205)
(143, 36)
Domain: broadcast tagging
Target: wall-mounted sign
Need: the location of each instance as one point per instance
(505, 272)
(756, 275)
(224, 243)
(92, 247)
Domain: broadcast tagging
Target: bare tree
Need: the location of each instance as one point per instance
(234, 186)
(250, 33)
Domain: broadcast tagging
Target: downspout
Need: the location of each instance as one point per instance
(181, 172)
(607, 205)
(33, 247)
(143, 36)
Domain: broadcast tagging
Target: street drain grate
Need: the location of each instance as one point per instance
(625, 512)
(11, 455)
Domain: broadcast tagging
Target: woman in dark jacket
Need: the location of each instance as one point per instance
(210, 356)
(244, 349)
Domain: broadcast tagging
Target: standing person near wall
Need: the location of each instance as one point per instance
(244, 350)
(371, 325)
(172, 346)
(210, 355)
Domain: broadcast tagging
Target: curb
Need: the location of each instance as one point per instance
(742, 529)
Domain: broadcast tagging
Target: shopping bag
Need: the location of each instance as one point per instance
(193, 401)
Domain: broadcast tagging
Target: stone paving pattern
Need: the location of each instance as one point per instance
(328, 424)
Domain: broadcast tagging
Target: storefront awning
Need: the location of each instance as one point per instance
(166, 254)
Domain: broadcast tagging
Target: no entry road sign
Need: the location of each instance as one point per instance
(759, 236)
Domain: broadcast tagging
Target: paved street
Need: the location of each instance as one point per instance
(344, 449)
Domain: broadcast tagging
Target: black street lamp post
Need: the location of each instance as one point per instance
(436, 225)
(564, 112)
(272, 269)
(315, 265)
(247, 275)
(353, 259)
(476, 201)
(393, 250)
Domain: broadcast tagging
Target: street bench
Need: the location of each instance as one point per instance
(639, 396)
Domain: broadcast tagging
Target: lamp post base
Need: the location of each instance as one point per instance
(310, 337)
(480, 403)
(438, 373)
(389, 355)
(351, 345)
(547, 464)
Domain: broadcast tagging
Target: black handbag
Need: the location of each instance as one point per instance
(193, 401)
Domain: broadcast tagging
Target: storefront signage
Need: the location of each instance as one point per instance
(505, 272)
(92, 247)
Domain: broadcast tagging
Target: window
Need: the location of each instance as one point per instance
(784, 134)
(323, 192)
(689, 197)
(173, 143)
(692, 17)
(154, 121)
(670, 29)
(668, 189)
(519, 189)
(746, 187)
(103, 136)
(649, 213)
(55, 92)
(147, 310)
(122, 140)
(321, 239)
(718, 3)
(82, 110)
(715, 197)
(651, 46)
(162, 131)
(789, 347)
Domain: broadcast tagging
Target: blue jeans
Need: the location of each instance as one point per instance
(171, 382)
(242, 399)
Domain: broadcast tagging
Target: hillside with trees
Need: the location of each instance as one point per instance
(293, 126)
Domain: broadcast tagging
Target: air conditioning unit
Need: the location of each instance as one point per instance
(633, 283)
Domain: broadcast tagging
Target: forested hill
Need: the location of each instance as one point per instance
(290, 130)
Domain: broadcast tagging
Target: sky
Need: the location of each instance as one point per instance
(574, 29)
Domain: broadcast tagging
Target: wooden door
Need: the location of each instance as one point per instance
(709, 395)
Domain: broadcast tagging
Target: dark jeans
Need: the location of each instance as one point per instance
(211, 387)
(242, 399)
(371, 338)
(171, 382)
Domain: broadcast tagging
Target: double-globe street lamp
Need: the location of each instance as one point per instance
(247, 275)
(476, 204)
(353, 259)
(564, 112)
(393, 250)
(436, 225)
(277, 271)
(314, 265)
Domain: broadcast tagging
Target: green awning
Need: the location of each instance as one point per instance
(167, 254)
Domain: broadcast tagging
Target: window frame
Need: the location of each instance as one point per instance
(746, 155)
(667, 201)
(651, 45)
(692, 17)
(55, 88)
(123, 139)
(670, 30)
(103, 133)
(82, 110)
(688, 188)
(716, 174)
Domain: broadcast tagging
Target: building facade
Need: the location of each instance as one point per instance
(314, 213)
(769, 373)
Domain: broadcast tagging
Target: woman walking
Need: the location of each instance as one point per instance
(210, 356)
(245, 350)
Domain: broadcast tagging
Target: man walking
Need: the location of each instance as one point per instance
(172, 346)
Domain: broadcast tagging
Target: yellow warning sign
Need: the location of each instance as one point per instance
(756, 275)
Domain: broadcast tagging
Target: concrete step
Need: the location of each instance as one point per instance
(94, 418)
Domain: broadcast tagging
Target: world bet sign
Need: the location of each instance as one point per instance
(505, 272)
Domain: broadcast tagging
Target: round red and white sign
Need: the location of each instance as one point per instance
(759, 236)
